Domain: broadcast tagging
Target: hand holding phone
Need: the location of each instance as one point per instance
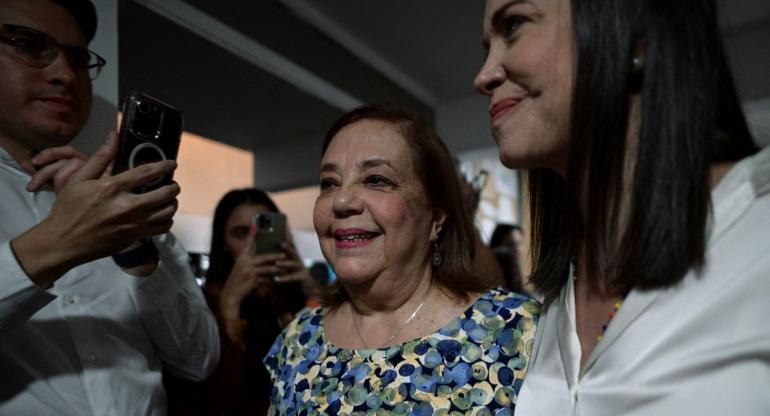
(150, 131)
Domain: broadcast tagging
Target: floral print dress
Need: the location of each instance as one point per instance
(472, 366)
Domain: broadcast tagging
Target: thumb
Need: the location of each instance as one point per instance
(97, 164)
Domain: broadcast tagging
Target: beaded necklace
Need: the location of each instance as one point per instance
(623, 296)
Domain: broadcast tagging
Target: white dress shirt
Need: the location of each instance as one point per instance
(96, 342)
(701, 347)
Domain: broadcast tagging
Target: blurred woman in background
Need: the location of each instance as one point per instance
(253, 297)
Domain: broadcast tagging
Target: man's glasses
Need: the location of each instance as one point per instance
(41, 50)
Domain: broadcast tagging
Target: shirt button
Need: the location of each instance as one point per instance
(70, 300)
(90, 358)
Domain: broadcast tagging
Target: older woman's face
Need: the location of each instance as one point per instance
(372, 216)
(529, 78)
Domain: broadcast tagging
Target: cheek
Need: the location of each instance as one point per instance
(84, 96)
(408, 215)
(320, 209)
(234, 246)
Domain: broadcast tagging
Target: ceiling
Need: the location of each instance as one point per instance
(271, 76)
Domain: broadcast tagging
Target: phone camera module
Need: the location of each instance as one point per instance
(147, 120)
(144, 107)
(263, 222)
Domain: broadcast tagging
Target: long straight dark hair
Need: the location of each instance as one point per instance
(690, 118)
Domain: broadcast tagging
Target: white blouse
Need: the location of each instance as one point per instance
(701, 347)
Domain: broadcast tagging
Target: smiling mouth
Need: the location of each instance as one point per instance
(502, 107)
(356, 237)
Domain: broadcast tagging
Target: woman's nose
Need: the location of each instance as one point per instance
(490, 76)
(347, 201)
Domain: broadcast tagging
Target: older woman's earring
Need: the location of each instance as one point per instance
(436, 254)
(637, 65)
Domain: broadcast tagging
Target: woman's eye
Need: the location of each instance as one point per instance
(510, 25)
(326, 184)
(240, 233)
(377, 180)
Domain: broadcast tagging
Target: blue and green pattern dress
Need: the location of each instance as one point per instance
(472, 366)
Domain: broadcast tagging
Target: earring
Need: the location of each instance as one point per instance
(436, 254)
(637, 65)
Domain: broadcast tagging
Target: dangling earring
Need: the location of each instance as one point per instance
(637, 65)
(436, 254)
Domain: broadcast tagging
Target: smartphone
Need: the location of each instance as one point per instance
(150, 131)
(271, 232)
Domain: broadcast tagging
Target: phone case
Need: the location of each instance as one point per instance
(150, 131)
(271, 232)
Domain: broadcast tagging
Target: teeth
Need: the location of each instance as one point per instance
(356, 237)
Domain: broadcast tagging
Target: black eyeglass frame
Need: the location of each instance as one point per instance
(94, 63)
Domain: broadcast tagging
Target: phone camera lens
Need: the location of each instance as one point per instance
(144, 107)
(264, 221)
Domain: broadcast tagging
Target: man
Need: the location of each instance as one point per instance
(92, 306)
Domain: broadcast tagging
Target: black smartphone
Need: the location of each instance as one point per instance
(271, 232)
(150, 131)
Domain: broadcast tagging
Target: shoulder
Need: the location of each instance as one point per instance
(306, 324)
(302, 331)
(506, 302)
(499, 316)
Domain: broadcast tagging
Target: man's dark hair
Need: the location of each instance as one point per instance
(84, 13)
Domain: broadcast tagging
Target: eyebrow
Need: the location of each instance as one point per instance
(366, 164)
(499, 15)
(375, 162)
(497, 19)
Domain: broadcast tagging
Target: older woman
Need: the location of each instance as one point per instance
(644, 174)
(407, 326)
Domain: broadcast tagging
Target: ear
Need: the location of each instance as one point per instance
(437, 225)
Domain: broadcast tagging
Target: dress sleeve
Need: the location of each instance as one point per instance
(174, 312)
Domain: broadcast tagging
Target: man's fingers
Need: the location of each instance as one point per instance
(145, 174)
(97, 164)
(64, 174)
(43, 176)
(53, 154)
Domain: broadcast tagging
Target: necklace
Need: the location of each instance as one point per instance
(573, 263)
(403, 324)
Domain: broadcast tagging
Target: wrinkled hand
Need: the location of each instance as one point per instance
(96, 215)
(53, 167)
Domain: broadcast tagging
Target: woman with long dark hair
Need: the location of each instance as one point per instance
(649, 202)
(253, 296)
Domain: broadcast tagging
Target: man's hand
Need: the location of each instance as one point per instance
(95, 215)
(53, 167)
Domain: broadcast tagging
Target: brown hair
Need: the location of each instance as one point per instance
(434, 167)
